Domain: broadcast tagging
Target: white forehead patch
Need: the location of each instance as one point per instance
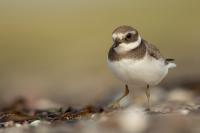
(118, 35)
(123, 47)
(122, 35)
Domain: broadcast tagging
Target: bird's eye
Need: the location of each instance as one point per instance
(128, 36)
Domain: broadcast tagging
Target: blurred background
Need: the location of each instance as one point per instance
(58, 49)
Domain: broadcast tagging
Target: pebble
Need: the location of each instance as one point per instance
(35, 123)
(133, 120)
(8, 124)
(18, 125)
(184, 111)
(180, 95)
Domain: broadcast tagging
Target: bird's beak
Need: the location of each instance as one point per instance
(116, 43)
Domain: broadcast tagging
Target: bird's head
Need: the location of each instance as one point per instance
(125, 38)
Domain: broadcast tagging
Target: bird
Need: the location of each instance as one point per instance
(136, 62)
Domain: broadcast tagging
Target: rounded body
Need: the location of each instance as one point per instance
(140, 73)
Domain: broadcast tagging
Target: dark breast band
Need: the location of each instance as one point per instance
(136, 53)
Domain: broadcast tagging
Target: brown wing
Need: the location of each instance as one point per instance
(153, 51)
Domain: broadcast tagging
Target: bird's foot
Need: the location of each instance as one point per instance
(116, 104)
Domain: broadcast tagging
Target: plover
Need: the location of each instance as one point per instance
(135, 61)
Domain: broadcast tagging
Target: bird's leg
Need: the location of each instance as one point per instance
(148, 97)
(116, 103)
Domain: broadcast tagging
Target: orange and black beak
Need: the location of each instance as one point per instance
(116, 43)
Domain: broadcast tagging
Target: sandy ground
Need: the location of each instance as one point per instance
(174, 110)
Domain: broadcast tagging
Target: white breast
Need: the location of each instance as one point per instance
(139, 72)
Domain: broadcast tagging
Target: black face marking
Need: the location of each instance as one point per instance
(128, 38)
(130, 35)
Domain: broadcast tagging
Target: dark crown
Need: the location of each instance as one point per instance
(123, 29)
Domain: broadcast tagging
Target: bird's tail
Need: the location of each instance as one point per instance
(169, 62)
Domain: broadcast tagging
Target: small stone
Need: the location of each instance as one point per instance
(179, 94)
(8, 124)
(133, 120)
(184, 111)
(18, 125)
(35, 123)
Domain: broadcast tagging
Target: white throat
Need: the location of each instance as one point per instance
(123, 47)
